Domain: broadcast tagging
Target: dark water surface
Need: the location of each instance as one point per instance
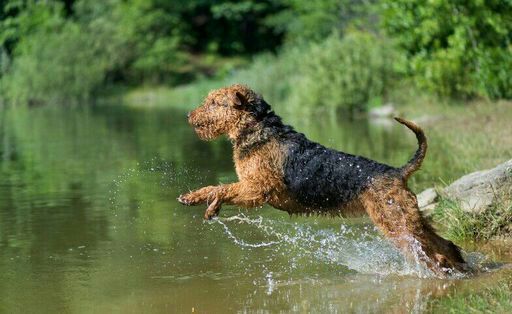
(89, 223)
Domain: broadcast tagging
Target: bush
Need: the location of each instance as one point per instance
(272, 76)
(495, 66)
(347, 72)
(54, 67)
(338, 73)
(315, 20)
(118, 41)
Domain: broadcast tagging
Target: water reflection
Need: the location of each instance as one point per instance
(89, 223)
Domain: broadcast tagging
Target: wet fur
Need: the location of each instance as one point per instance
(281, 167)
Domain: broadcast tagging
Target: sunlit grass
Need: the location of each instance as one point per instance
(497, 299)
(460, 226)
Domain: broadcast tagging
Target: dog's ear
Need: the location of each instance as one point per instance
(241, 97)
(238, 100)
(257, 106)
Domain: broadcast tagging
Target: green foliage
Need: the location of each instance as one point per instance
(21, 18)
(451, 48)
(348, 72)
(54, 67)
(4, 61)
(76, 48)
(456, 48)
(141, 42)
(237, 27)
(316, 20)
(53, 59)
(271, 75)
(495, 66)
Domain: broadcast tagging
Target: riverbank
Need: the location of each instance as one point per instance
(493, 299)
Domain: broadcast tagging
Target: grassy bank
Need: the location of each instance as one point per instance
(460, 226)
(476, 137)
(496, 299)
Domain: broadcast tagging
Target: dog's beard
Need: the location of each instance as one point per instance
(205, 134)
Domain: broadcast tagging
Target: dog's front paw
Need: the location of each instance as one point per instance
(188, 199)
(203, 195)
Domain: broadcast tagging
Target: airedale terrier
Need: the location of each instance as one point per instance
(281, 167)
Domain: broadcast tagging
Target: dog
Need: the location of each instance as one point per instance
(278, 166)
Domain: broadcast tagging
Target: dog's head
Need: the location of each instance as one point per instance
(228, 111)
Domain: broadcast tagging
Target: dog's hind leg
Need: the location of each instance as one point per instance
(393, 208)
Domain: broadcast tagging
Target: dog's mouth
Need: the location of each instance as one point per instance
(198, 125)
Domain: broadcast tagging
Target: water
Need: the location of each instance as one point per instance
(89, 222)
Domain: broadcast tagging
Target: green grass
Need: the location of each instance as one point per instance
(497, 299)
(476, 134)
(460, 226)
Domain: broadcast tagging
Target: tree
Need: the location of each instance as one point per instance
(456, 48)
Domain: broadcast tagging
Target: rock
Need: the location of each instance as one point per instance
(476, 191)
(385, 111)
(426, 198)
(427, 201)
(429, 209)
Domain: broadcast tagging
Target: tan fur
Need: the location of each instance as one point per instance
(394, 210)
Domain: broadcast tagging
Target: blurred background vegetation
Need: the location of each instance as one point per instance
(334, 53)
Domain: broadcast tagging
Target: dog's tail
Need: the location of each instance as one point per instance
(415, 162)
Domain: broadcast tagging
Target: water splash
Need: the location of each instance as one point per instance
(357, 248)
(161, 172)
(242, 219)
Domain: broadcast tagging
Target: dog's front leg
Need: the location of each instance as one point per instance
(240, 194)
(211, 195)
(200, 196)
